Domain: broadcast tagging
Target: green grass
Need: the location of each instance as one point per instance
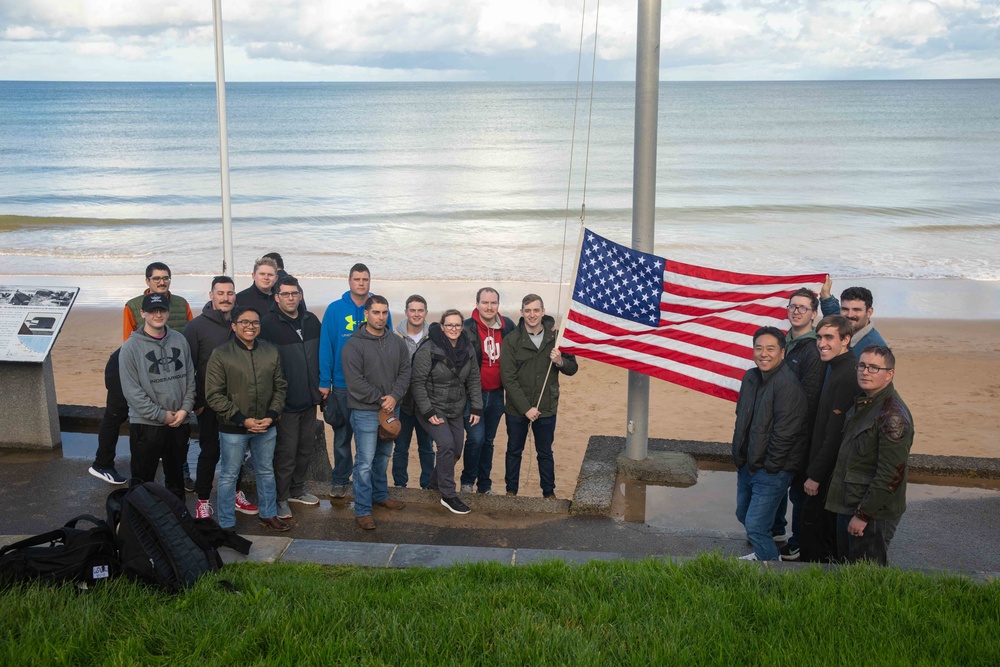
(708, 611)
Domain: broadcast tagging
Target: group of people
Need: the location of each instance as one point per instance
(255, 366)
(820, 424)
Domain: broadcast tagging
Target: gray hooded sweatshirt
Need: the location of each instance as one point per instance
(157, 376)
(375, 366)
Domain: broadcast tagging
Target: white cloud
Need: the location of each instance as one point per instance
(499, 39)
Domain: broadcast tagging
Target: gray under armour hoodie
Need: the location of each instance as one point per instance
(157, 376)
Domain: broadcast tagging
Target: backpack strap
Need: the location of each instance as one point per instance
(49, 538)
(100, 523)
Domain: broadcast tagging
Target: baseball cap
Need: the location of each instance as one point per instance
(388, 425)
(152, 302)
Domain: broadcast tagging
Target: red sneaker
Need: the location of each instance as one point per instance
(203, 511)
(243, 505)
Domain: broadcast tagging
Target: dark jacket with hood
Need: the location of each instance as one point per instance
(837, 398)
(802, 356)
(770, 420)
(203, 334)
(375, 366)
(242, 383)
(297, 340)
(523, 368)
(445, 377)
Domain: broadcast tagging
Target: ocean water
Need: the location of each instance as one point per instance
(446, 181)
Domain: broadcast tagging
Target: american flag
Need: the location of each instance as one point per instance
(685, 324)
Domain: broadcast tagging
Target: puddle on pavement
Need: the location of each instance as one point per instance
(82, 446)
(709, 506)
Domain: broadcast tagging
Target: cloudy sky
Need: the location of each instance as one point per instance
(496, 40)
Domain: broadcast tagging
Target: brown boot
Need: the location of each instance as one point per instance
(391, 504)
(274, 523)
(366, 522)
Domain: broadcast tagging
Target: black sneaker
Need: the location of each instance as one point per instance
(455, 505)
(189, 485)
(788, 552)
(109, 475)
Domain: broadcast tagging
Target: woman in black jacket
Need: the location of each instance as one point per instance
(444, 376)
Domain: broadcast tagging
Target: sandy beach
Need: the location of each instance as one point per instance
(948, 374)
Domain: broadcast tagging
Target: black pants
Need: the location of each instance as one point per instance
(818, 530)
(208, 456)
(872, 546)
(115, 414)
(149, 444)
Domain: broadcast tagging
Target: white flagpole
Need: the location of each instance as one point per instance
(220, 91)
(647, 90)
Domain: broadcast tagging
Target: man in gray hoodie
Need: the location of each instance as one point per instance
(158, 380)
(412, 330)
(376, 366)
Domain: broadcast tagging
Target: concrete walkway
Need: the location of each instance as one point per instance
(41, 492)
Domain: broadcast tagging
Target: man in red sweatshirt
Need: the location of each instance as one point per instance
(486, 329)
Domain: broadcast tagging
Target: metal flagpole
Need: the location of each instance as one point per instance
(220, 91)
(647, 90)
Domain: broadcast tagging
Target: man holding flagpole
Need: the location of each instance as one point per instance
(532, 391)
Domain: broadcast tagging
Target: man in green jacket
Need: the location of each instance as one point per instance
(531, 400)
(868, 487)
(245, 386)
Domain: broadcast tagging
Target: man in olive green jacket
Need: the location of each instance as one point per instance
(868, 487)
(525, 357)
(245, 387)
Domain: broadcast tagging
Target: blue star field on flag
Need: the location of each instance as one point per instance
(619, 281)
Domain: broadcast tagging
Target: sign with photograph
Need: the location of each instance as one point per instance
(30, 320)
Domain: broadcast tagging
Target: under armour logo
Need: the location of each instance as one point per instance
(350, 322)
(165, 362)
(490, 349)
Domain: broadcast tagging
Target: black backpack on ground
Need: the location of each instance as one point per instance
(85, 556)
(158, 540)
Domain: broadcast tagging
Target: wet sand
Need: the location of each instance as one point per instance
(948, 374)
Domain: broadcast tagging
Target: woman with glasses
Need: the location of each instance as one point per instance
(444, 376)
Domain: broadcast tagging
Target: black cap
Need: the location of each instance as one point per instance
(153, 301)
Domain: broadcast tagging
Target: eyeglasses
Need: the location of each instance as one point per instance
(160, 279)
(452, 326)
(869, 368)
(249, 324)
(288, 295)
(798, 309)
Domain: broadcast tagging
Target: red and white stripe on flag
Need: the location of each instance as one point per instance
(704, 337)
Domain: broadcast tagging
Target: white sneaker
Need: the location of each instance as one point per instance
(749, 556)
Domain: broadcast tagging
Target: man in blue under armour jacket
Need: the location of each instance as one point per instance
(295, 332)
(341, 319)
(158, 380)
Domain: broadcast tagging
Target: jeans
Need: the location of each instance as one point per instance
(797, 495)
(401, 452)
(544, 429)
(479, 441)
(342, 461)
(371, 485)
(873, 545)
(449, 438)
(757, 499)
(818, 539)
(292, 451)
(208, 455)
(233, 446)
(149, 444)
(115, 414)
